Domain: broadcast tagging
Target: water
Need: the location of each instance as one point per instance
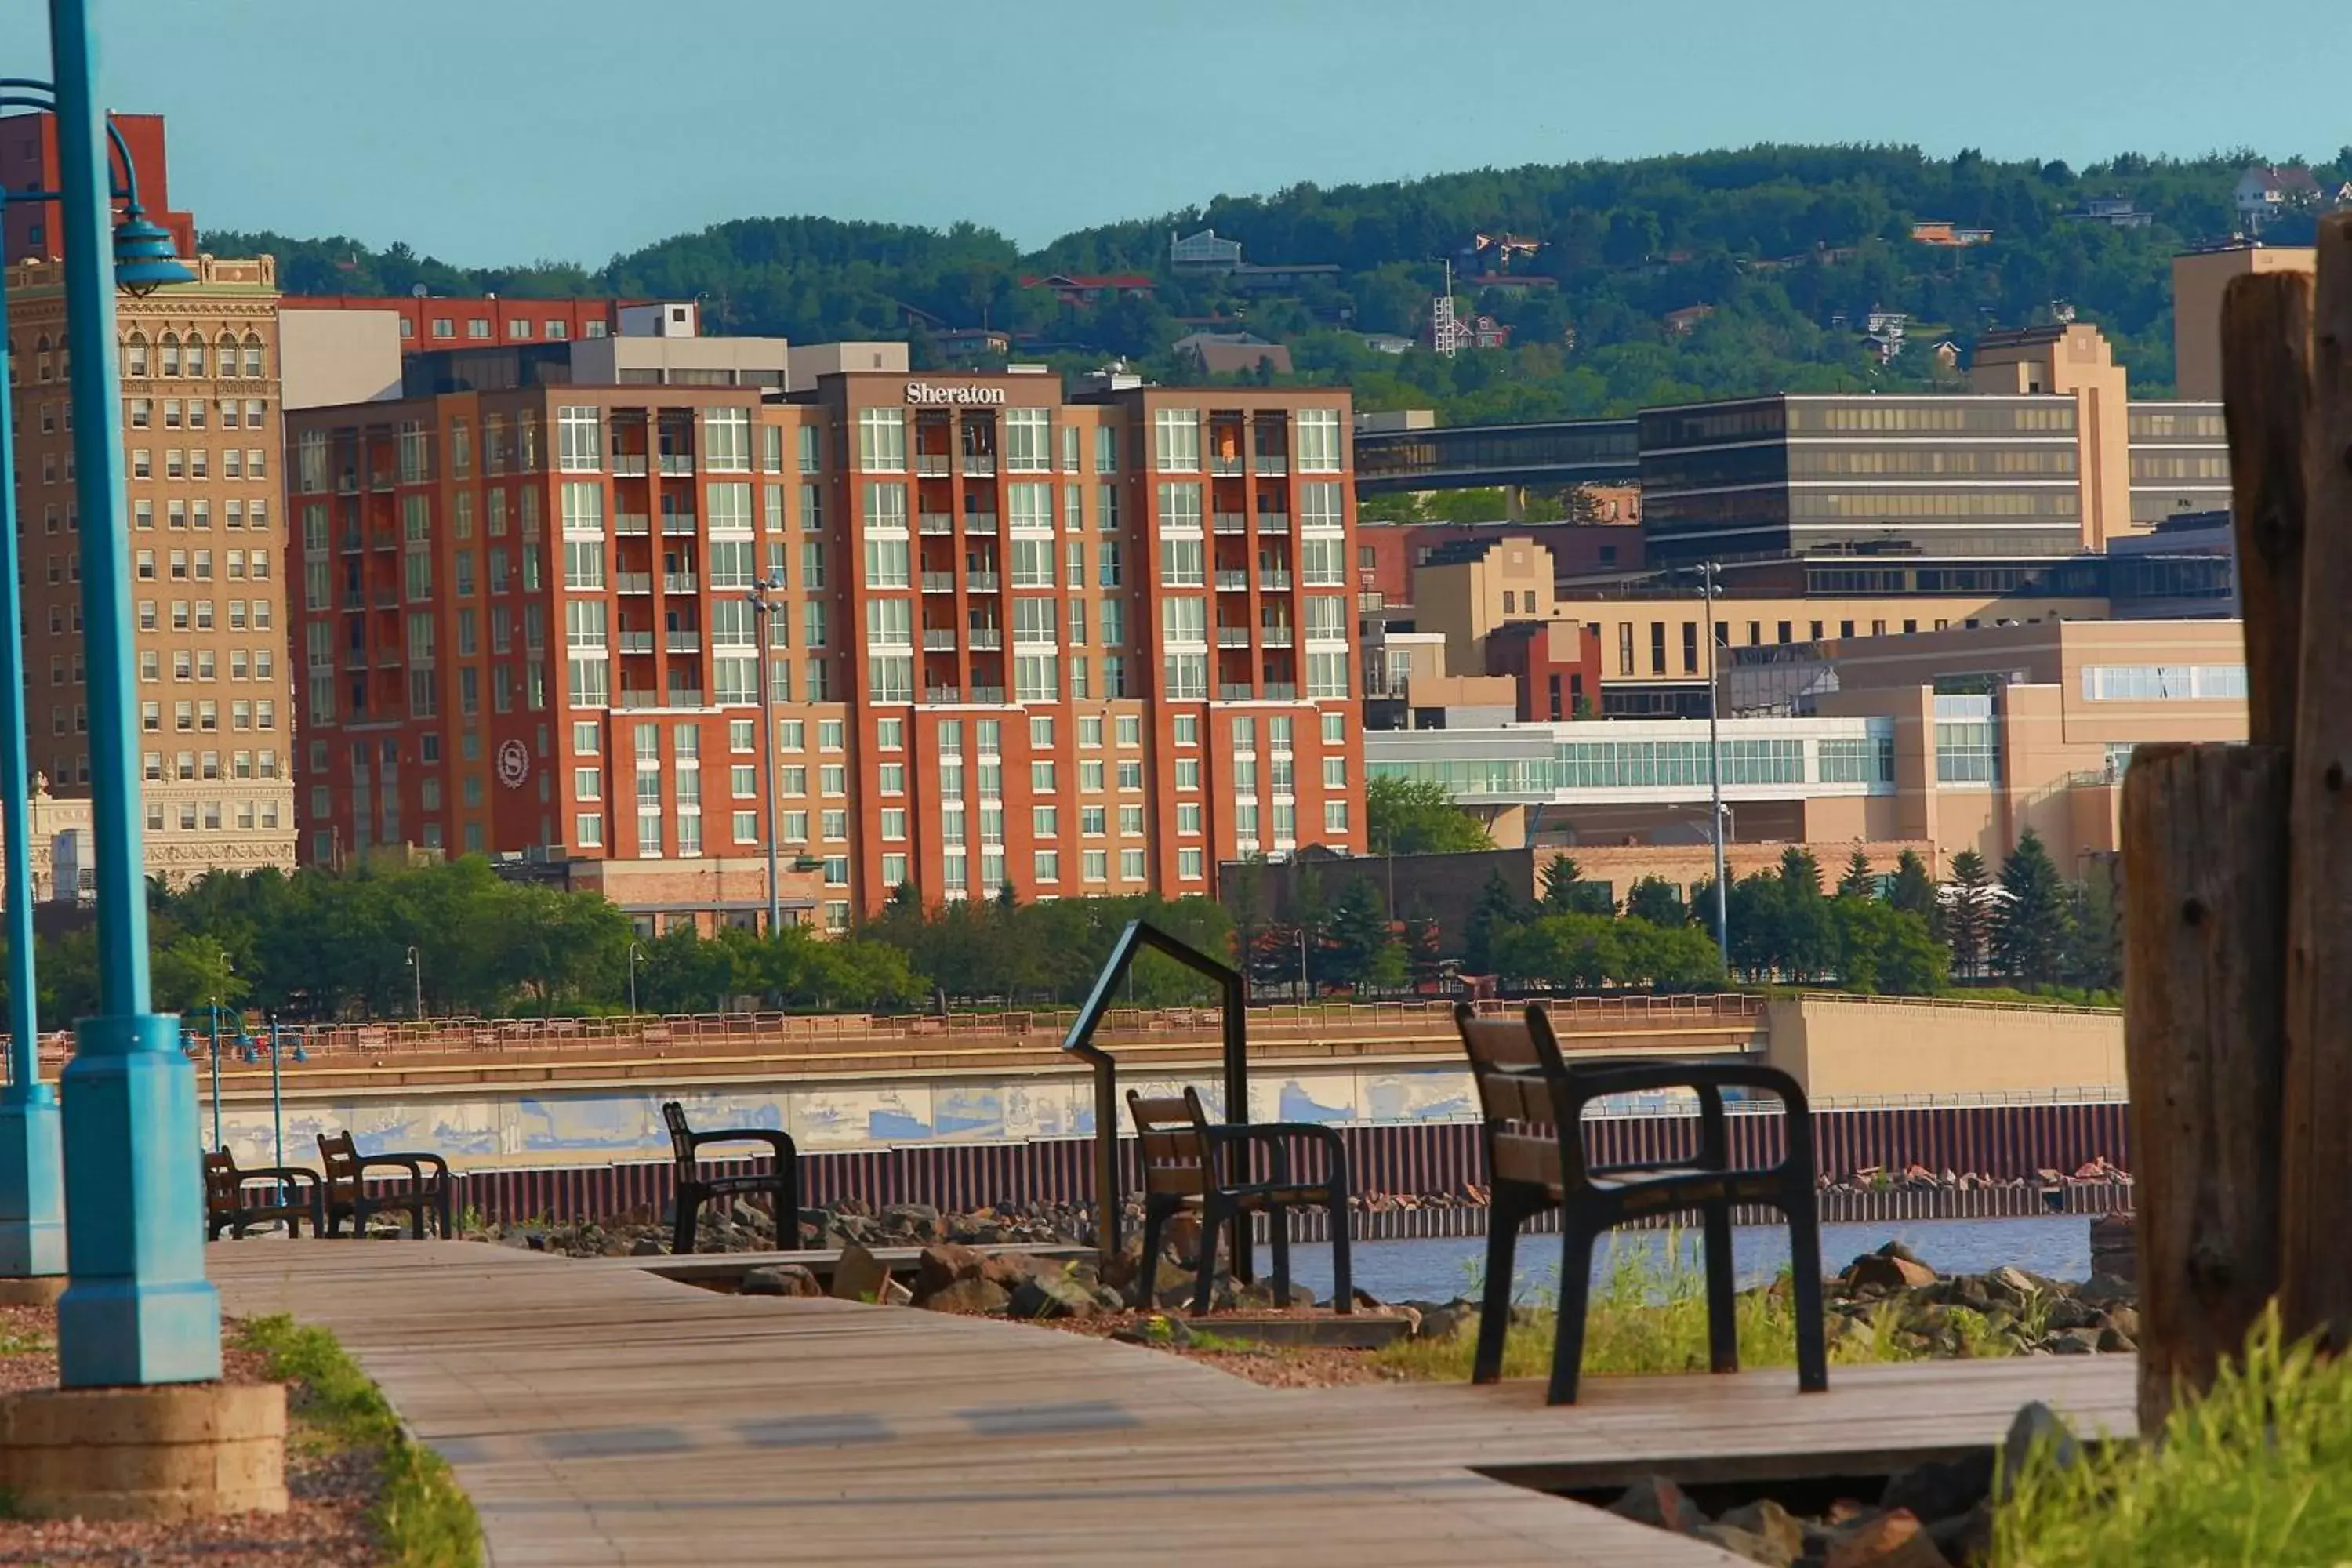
(1441, 1268)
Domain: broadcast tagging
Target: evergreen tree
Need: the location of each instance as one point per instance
(1357, 936)
(1859, 881)
(2029, 930)
(1498, 911)
(1968, 914)
(2095, 947)
(1914, 891)
(1807, 940)
(1565, 893)
(1654, 899)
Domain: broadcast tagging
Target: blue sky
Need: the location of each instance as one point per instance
(494, 130)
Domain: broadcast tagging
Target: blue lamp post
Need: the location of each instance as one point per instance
(137, 1307)
(32, 1198)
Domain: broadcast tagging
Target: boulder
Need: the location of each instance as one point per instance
(1767, 1522)
(1888, 1270)
(779, 1280)
(1010, 1268)
(1657, 1501)
(647, 1247)
(2107, 1292)
(859, 1276)
(1891, 1540)
(2036, 1425)
(1440, 1323)
(2067, 1312)
(974, 1297)
(944, 1265)
(919, 1220)
(1747, 1543)
(1965, 1538)
(1051, 1296)
(2012, 1286)
(2075, 1341)
(1937, 1490)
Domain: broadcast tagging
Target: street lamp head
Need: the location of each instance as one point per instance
(145, 259)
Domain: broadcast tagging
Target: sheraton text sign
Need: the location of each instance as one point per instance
(931, 392)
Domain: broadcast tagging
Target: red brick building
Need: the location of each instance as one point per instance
(29, 161)
(442, 323)
(1069, 645)
(1556, 663)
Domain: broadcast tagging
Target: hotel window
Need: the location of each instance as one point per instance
(727, 441)
(1028, 441)
(882, 440)
(1176, 440)
(579, 439)
(1318, 441)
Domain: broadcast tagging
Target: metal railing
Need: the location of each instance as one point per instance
(1139, 935)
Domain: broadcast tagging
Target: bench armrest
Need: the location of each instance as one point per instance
(1277, 1136)
(779, 1144)
(247, 1175)
(413, 1163)
(1708, 1079)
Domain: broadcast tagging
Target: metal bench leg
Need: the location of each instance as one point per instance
(1278, 1224)
(1204, 1280)
(681, 1241)
(1805, 1272)
(1147, 1272)
(1722, 1322)
(1343, 1282)
(1575, 1298)
(1503, 1219)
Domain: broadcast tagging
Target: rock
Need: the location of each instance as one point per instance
(1769, 1522)
(1964, 1538)
(1892, 1540)
(1366, 1302)
(944, 1265)
(2067, 1312)
(1439, 1323)
(1300, 1297)
(2106, 1291)
(2115, 1341)
(2125, 1320)
(1044, 1296)
(2114, 1251)
(859, 1276)
(1746, 1543)
(919, 1220)
(2075, 1341)
(1010, 1268)
(1887, 1271)
(1898, 1249)
(2014, 1286)
(647, 1247)
(974, 1297)
(779, 1279)
(1657, 1501)
(1937, 1490)
(2036, 1425)
(1109, 1299)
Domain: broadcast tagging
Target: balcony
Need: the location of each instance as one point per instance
(1275, 637)
(680, 583)
(938, 582)
(941, 696)
(389, 658)
(982, 582)
(676, 697)
(988, 694)
(1280, 690)
(629, 465)
(1235, 691)
(678, 523)
(1273, 521)
(980, 522)
(935, 523)
(355, 658)
(381, 480)
(682, 642)
(1231, 523)
(1275, 579)
(1232, 637)
(354, 540)
(1271, 464)
(386, 599)
(636, 642)
(1225, 465)
(1233, 582)
(633, 582)
(984, 637)
(632, 523)
(386, 539)
(678, 462)
(979, 465)
(938, 641)
(931, 465)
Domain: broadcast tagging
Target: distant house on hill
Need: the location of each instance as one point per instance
(2265, 191)
(1680, 322)
(1232, 353)
(970, 342)
(1203, 252)
(1940, 231)
(1251, 279)
(1087, 288)
(2115, 212)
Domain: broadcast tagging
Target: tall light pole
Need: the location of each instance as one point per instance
(761, 608)
(1706, 577)
(636, 952)
(32, 1193)
(416, 971)
(138, 1308)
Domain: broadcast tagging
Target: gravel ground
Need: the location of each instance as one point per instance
(1276, 1366)
(326, 1527)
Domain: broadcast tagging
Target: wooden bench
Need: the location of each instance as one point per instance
(233, 1203)
(1190, 1162)
(1533, 1106)
(430, 1189)
(781, 1181)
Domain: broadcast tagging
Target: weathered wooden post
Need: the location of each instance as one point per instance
(2315, 1153)
(2205, 854)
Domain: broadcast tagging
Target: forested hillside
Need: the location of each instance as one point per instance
(1780, 242)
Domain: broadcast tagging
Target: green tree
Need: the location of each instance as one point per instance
(1859, 881)
(1572, 951)
(1357, 934)
(2094, 959)
(1671, 957)
(1808, 937)
(1886, 949)
(1913, 889)
(1499, 910)
(1418, 817)
(2030, 934)
(196, 972)
(1968, 914)
(1565, 893)
(1654, 899)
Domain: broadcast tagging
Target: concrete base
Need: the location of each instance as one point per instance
(32, 1290)
(164, 1452)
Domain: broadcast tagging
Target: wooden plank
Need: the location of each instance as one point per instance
(2316, 1201)
(2266, 398)
(2205, 869)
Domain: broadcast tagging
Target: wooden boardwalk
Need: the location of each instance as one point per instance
(601, 1416)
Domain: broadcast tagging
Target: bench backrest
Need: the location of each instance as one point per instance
(1172, 1141)
(681, 1137)
(224, 1188)
(1514, 1062)
(340, 1156)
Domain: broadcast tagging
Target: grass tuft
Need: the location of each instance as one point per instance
(424, 1518)
(1648, 1314)
(2251, 1473)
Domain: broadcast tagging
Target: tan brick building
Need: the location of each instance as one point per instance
(202, 440)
